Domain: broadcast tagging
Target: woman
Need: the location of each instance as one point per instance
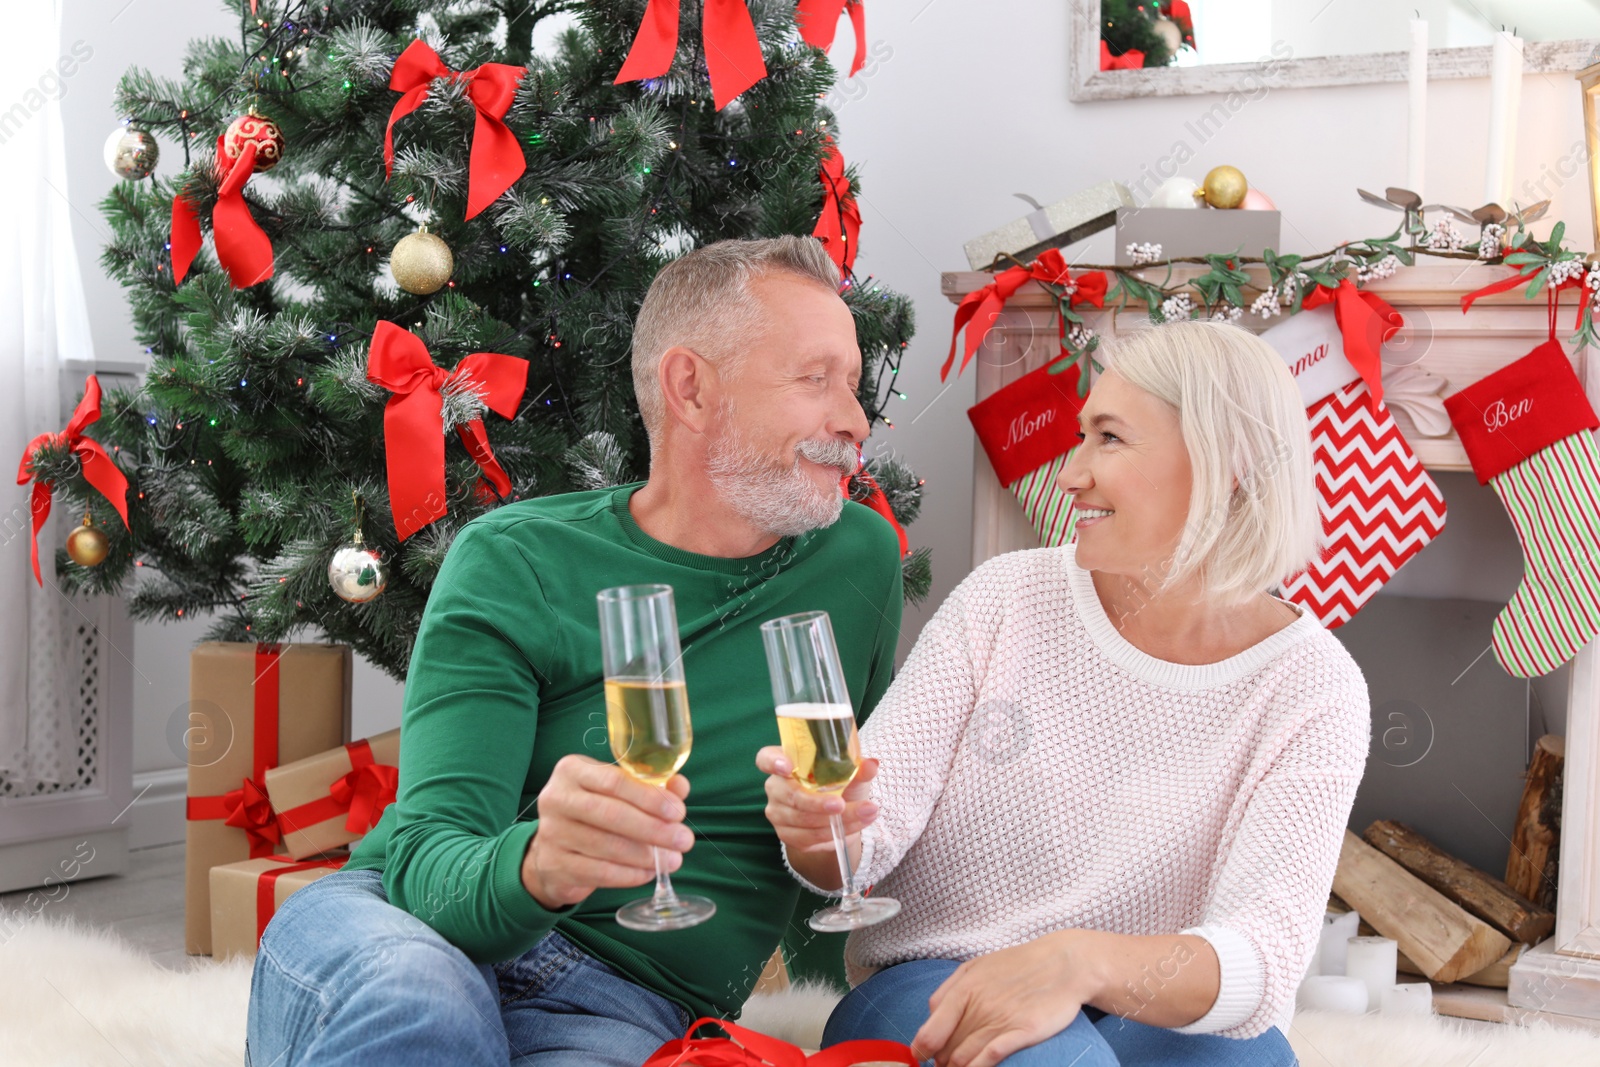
(1110, 785)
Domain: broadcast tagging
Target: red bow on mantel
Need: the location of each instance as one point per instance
(1365, 321)
(496, 160)
(733, 51)
(839, 225)
(979, 309)
(819, 21)
(747, 1048)
(98, 468)
(243, 248)
(413, 419)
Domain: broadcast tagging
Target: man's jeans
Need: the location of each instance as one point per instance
(344, 977)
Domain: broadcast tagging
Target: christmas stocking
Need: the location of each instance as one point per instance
(1379, 506)
(1028, 429)
(1527, 430)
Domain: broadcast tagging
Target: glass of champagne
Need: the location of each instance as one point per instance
(647, 720)
(817, 724)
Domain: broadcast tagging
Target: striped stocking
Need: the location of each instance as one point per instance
(1028, 430)
(1049, 510)
(1527, 429)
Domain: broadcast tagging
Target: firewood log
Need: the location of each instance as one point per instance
(1535, 841)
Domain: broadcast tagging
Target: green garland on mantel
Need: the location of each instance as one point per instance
(1222, 288)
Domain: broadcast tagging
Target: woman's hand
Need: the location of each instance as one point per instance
(801, 817)
(1009, 1000)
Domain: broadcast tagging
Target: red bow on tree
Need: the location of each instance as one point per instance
(413, 419)
(364, 793)
(733, 51)
(978, 310)
(496, 160)
(98, 469)
(249, 809)
(839, 225)
(876, 500)
(1132, 59)
(243, 248)
(819, 21)
(1365, 321)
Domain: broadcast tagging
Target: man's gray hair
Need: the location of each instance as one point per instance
(702, 301)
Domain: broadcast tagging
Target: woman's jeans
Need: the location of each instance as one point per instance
(344, 977)
(893, 1005)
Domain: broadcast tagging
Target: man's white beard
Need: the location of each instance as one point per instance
(777, 498)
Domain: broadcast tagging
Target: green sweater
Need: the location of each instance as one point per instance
(505, 679)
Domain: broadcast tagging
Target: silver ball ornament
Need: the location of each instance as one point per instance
(357, 573)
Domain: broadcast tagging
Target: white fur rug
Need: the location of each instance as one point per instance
(71, 996)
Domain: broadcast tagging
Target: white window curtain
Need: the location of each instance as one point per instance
(43, 320)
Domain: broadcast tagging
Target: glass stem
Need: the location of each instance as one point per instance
(663, 897)
(851, 899)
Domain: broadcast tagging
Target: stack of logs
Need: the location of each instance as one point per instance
(1453, 922)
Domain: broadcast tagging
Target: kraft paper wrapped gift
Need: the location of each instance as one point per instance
(334, 797)
(246, 895)
(251, 707)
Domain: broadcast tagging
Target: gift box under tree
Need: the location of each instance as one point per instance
(246, 895)
(334, 797)
(251, 707)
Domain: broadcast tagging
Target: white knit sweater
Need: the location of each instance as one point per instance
(1039, 772)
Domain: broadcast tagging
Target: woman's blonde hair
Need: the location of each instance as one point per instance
(1253, 518)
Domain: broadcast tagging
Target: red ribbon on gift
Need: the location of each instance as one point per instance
(243, 248)
(979, 309)
(248, 807)
(1132, 59)
(746, 1048)
(267, 889)
(819, 21)
(360, 795)
(496, 160)
(1365, 321)
(413, 419)
(839, 225)
(98, 469)
(733, 51)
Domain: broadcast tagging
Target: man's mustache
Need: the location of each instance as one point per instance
(839, 455)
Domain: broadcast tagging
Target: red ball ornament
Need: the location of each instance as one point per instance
(262, 132)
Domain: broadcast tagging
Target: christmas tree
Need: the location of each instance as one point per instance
(255, 446)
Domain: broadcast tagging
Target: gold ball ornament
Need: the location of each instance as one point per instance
(87, 544)
(1224, 187)
(356, 572)
(421, 263)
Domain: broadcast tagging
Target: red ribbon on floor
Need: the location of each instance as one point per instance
(243, 248)
(839, 225)
(413, 419)
(360, 795)
(496, 160)
(98, 469)
(248, 807)
(733, 51)
(267, 888)
(1132, 59)
(979, 309)
(746, 1048)
(1365, 321)
(819, 21)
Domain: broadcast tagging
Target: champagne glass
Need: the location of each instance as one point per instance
(818, 728)
(647, 720)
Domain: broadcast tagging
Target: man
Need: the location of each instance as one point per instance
(475, 924)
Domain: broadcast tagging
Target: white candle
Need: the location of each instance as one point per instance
(1505, 98)
(1417, 109)
(1337, 930)
(1332, 992)
(1408, 998)
(1372, 959)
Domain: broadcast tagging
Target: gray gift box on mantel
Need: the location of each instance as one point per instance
(1196, 231)
(1050, 226)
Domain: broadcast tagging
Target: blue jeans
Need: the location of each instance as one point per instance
(344, 977)
(893, 1005)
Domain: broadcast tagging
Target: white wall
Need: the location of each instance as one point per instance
(964, 105)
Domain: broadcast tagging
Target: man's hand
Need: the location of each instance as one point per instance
(801, 817)
(1009, 1000)
(596, 826)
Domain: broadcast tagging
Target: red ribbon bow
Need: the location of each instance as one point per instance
(1524, 274)
(496, 160)
(733, 51)
(839, 225)
(249, 809)
(877, 501)
(979, 309)
(413, 419)
(1132, 59)
(746, 1048)
(819, 21)
(1365, 321)
(365, 791)
(98, 469)
(243, 248)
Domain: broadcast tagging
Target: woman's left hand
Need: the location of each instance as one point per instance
(1009, 1000)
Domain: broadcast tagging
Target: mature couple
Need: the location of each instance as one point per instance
(1108, 785)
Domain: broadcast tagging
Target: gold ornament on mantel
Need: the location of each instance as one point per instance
(421, 262)
(87, 544)
(1224, 187)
